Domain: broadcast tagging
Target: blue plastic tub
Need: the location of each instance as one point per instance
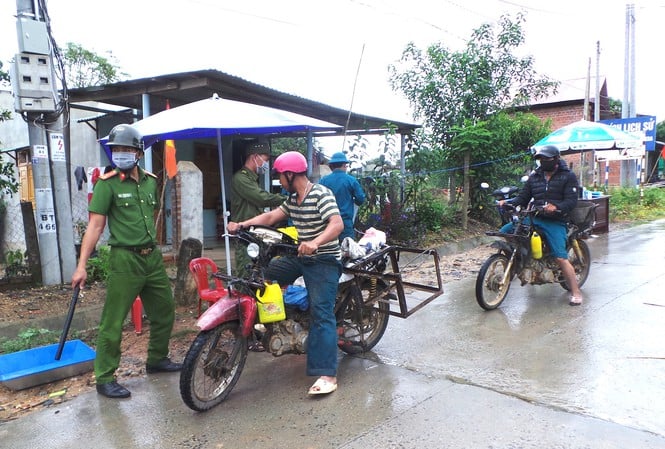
(25, 369)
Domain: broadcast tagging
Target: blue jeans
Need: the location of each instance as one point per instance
(554, 231)
(321, 275)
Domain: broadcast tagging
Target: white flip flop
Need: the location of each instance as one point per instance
(322, 386)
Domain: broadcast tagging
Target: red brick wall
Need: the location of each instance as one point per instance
(561, 114)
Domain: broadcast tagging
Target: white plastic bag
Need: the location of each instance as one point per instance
(373, 239)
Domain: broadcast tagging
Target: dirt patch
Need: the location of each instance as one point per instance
(27, 306)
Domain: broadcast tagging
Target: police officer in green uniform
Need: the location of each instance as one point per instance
(127, 198)
(248, 199)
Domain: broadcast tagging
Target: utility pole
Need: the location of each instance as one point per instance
(596, 113)
(585, 116)
(628, 167)
(37, 100)
(596, 104)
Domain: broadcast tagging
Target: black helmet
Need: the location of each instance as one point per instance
(126, 136)
(547, 151)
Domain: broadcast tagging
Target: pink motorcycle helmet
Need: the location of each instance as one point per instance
(290, 161)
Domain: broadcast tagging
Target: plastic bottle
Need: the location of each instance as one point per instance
(536, 246)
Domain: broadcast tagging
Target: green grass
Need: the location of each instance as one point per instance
(633, 204)
(32, 338)
(27, 339)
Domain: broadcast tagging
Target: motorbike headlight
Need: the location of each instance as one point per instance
(253, 250)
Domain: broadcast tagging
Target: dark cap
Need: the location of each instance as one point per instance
(258, 148)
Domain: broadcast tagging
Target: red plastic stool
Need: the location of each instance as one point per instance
(137, 315)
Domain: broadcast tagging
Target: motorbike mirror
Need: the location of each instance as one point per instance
(484, 185)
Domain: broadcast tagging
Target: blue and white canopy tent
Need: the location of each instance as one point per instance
(584, 135)
(217, 117)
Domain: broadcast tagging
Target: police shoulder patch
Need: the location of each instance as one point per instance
(109, 175)
(150, 174)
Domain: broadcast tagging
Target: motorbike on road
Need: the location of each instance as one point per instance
(504, 193)
(216, 358)
(517, 257)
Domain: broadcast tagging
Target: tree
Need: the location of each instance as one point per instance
(283, 144)
(660, 131)
(615, 107)
(454, 90)
(84, 68)
(8, 183)
(4, 81)
(499, 164)
(447, 88)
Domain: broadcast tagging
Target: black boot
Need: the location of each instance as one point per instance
(163, 366)
(113, 390)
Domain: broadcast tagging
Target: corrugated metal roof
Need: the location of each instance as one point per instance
(572, 90)
(186, 87)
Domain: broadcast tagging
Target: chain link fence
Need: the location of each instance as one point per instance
(16, 263)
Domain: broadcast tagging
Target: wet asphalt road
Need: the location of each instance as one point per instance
(535, 373)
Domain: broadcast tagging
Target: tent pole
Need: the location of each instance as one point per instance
(225, 213)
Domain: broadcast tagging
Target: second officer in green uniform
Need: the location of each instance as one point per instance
(248, 199)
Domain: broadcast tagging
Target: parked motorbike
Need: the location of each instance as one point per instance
(533, 264)
(216, 358)
(504, 193)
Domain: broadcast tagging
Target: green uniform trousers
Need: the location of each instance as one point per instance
(132, 275)
(241, 259)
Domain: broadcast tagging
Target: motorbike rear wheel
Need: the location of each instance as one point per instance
(363, 320)
(581, 265)
(489, 291)
(212, 366)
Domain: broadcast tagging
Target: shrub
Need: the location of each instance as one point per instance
(16, 266)
(629, 203)
(29, 338)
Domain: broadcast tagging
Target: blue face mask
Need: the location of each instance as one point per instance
(123, 160)
(264, 167)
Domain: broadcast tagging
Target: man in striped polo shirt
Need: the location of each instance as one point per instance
(313, 211)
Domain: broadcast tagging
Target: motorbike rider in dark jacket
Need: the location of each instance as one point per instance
(555, 187)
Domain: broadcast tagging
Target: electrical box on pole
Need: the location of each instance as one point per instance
(32, 83)
(32, 36)
(36, 98)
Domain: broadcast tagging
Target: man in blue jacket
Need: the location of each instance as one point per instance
(555, 186)
(347, 190)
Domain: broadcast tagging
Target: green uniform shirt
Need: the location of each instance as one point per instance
(129, 207)
(248, 199)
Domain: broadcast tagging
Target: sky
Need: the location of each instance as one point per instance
(337, 51)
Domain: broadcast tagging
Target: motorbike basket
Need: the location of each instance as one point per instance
(583, 215)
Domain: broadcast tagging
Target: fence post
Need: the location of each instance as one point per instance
(185, 289)
(32, 247)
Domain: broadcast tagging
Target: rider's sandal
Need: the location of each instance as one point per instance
(575, 300)
(322, 386)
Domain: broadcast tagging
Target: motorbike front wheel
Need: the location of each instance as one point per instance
(490, 292)
(363, 319)
(582, 264)
(212, 366)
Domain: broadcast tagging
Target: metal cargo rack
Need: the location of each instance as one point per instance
(404, 264)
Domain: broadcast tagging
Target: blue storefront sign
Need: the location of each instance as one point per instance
(641, 126)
